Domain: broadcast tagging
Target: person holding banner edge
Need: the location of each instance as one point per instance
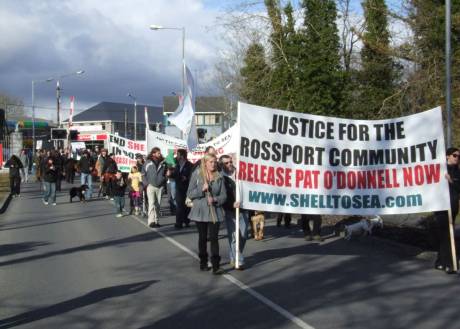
(208, 194)
(444, 258)
(230, 205)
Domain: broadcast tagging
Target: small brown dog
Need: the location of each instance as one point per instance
(258, 221)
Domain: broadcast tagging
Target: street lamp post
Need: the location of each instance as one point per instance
(135, 114)
(33, 109)
(448, 73)
(159, 27)
(58, 93)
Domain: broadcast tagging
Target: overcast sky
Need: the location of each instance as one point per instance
(112, 42)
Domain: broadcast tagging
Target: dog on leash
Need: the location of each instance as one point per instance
(363, 227)
(78, 191)
(258, 221)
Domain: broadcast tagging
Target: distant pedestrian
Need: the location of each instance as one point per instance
(135, 185)
(49, 181)
(154, 174)
(208, 194)
(69, 166)
(118, 187)
(109, 170)
(15, 166)
(86, 166)
(181, 174)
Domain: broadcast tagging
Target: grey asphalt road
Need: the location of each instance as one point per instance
(77, 266)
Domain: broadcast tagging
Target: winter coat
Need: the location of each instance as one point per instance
(118, 186)
(454, 187)
(182, 177)
(154, 173)
(86, 164)
(51, 174)
(15, 166)
(201, 211)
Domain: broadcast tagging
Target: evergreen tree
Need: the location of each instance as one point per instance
(427, 84)
(320, 77)
(378, 74)
(255, 73)
(282, 58)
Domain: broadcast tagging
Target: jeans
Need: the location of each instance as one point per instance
(119, 203)
(231, 228)
(50, 192)
(154, 197)
(88, 180)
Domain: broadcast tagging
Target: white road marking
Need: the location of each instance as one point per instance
(285, 313)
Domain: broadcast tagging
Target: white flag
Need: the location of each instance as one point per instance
(183, 118)
(147, 126)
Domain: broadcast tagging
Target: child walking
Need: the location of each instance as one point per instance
(118, 187)
(135, 184)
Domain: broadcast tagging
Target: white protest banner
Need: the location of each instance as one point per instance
(307, 164)
(125, 151)
(226, 143)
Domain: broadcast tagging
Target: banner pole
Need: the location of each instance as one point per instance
(237, 192)
(452, 241)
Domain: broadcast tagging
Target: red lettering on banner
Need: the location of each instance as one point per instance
(276, 176)
(306, 178)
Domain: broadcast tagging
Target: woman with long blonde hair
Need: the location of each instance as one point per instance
(208, 194)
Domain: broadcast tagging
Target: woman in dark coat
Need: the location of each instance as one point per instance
(15, 166)
(208, 194)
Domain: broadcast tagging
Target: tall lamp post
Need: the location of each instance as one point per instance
(448, 73)
(159, 27)
(33, 109)
(135, 114)
(58, 92)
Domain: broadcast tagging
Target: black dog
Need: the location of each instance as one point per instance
(78, 191)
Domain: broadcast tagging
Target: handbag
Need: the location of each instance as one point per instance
(188, 202)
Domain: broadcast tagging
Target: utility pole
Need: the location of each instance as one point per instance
(126, 123)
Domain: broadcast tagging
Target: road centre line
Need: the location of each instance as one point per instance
(235, 281)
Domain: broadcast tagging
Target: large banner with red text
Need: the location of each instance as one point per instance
(125, 151)
(308, 164)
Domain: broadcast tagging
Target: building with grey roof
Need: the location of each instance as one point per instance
(117, 118)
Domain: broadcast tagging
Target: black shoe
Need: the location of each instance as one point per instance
(218, 271)
(152, 225)
(178, 226)
(204, 267)
(450, 271)
(187, 225)
(157, 225)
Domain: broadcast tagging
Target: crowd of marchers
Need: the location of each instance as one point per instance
(203, 192)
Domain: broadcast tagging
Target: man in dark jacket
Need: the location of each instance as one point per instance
(444, 259)
(229, 173)
(86, 166)
(181, 174)
(154, 176)
(15, 166)
(49, 182)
